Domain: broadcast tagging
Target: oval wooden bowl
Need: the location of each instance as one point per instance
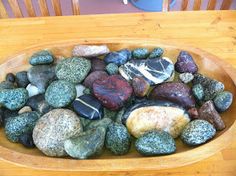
(209, 65)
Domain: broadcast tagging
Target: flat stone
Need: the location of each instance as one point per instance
(90, 50)
(118, 57)
(41, 58)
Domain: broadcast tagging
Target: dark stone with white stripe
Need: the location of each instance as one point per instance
(88, 107)
(154, 71)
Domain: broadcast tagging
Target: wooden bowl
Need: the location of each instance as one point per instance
(208, 64)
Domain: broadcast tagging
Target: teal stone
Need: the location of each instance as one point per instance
(73, 69)
(198, 91)
(155, 143)
(112, 69)
(13, 99)
(197, 132)
(223, 100)
(21, 124)
(87, 91)
(156, 52)
(41, 58)
(118, 139)
(60, 93)
(87, 144)
(6, 85)
(99, 123)
(110, 114)
(140, 53)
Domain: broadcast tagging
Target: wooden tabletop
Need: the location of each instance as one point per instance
(213, 31)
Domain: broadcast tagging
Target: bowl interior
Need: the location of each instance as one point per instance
(206, 66)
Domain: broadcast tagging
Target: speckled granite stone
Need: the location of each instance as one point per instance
(41, 57)
(60, 93)
(223, 100)
(156, 52)
(112, 69)
(6, 85)
(53, 128)
(140, 53)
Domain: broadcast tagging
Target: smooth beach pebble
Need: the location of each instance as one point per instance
(223, 100)
(112, 69)
(25, 109)
(41, 58)
(90, 50)
(156, 52)
(118, 57)
(22, 79)
(92, 77)
(60, 93)
(32, 90)
(140, 86)
(140, 53)
(10, 77)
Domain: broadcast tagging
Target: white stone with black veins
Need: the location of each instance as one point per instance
(154, 71)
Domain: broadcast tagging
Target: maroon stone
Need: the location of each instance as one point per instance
(175, 92)
(97, 64)
(140, 86)
(193, 113)
(92, 77)
(112, 91)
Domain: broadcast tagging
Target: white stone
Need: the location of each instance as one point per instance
(79, 90)
(32, 90)
(90, 50)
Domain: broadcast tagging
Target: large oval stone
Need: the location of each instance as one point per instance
(154, 71)
(113, 91)
(155, 115)
(53, 128)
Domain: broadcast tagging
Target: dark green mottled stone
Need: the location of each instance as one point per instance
(110, 114)
(120, 115)
(140, 53)
(60, 93)
(197, 132)
(24, 123)
(73, 69)
(223, 100)
(85, 122)
(112, 69)
(198, 92)
(6, 85)
(156, 52)
(99, 123)
(13, 99)
(7, 114)
(86, 144)
(22, 79)
(118, 139)
(155, 143)
(41, 57)
(87, 91)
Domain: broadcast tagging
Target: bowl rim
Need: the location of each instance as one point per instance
(125, 164)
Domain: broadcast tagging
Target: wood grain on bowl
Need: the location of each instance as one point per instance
(208, 64)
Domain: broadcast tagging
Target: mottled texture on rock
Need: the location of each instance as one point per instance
(53, 128)
(7, 85)
(87, 144)
(99, 123)
(175, 92)
(118, 140)
(23, 123)
(22, 79)
(208, 112)
(73, 69)
(140, 86)
(112, 69)
(118, 57)
(60, 93)
(155, 143)
(41, 76)
(197, 132)
(97, 64)
(13, 99)
(156, 52)
(90, 50)
(113, 91)
(154, 71)
(41, 57)
(185, 63)
(223, 100)
(198, 92)
(92, 77)
(186, 77)
(140, 53)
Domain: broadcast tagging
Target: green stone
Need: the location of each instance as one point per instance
(13, 99)
(120, 115)
(156, 52)
(60, 93)
(21, 124)
(86, 144)
(87, 91)
(41, 57)
(118, 140)
(73, 69)
(155, 143)
(99, 123)
(6, 85)
(198, 92)
(140, 53)
(110, 114)
(223, 100)
(112, 69)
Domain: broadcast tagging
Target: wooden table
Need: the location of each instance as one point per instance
(213, 31)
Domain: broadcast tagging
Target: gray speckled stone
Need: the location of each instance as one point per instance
(73, 69)
(41, 57)
(186, 77)
(60, 93)
(24, 123)
(112, 69)
(86, 144)
(197, 132)
(41, 76)
(6, 85)
(13, 99)
(223, 100)
(198, 92)
(156, 52)
(140, 53)
(99, 123)
(155, 143)
(22, 79)
(118, 139)
(53, 128)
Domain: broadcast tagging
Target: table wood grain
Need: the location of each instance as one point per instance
(213, 31)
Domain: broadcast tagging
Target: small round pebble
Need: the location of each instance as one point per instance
(25, 109)
(197, 132)
(118, 140)
(186, 77)
(156, 52)
(60, 93)
(41, 57)
(198, 92)
(223, 100)
(112, 69)
(140, 53)
(32, 90)
(10, 77)
(155, 143)
(27, 140)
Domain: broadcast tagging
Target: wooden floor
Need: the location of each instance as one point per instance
(213, 31)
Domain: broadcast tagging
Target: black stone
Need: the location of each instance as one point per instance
(10, 77)
(88, 107)
(8, 114)
(22, 79)
(1, 116)
(27, 140)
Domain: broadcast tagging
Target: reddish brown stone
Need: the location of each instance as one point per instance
(112, 91)
(92, 77)
(97, 64)
(209, 113)
(140, 86)
(193, 113)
